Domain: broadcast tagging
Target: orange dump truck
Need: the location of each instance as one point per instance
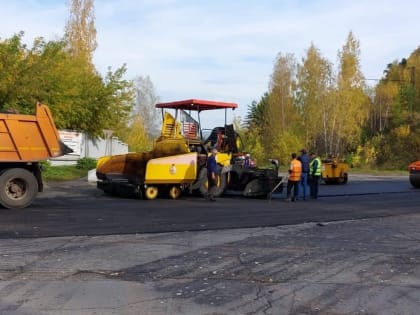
(25, 141)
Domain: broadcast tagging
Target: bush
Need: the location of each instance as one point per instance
(45, 165)
(86, 163)
(63, 172)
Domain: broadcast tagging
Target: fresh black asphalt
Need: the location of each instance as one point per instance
(77, 208)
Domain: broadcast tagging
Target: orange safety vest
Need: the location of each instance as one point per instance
(295, 170)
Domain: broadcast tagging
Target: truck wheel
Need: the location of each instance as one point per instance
(343, 180)
(151, 192)
(175, 192)
(18, 188)
(220, 185)
(415, 179)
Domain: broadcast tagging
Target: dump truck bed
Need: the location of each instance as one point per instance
(29, 138)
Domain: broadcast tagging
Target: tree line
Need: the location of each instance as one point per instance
(334, 112)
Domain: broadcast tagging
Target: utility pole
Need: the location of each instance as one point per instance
(412, 83)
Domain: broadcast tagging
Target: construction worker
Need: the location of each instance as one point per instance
(295, 173)
(304, 159)
(314, 174)
(211, 174)
(247, 162)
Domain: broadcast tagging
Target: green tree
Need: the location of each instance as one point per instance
(12, 55)
(61, 74)
(78, 96)
(256, 112)
(255, 123)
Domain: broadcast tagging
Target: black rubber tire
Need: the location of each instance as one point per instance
(415, 179)
(345, 179)
(18, 188)
(221, 183)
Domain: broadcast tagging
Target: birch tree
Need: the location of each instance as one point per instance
(283, 121)
(80, 31)
(144, 104)
(315, 99)
(352, 106)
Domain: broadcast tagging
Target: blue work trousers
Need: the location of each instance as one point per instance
(304, 184)
(314, 182)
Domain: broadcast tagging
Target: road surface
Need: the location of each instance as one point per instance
(356, 250)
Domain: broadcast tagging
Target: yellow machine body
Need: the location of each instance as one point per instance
(176, 169)
(333, 172)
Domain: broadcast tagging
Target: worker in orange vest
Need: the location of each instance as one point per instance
(295, 173)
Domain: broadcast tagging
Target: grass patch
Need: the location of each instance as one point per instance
(63, 172)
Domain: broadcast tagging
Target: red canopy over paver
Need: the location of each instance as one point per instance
(197, 105)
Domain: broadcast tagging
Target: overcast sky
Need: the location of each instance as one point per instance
(224, 50)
